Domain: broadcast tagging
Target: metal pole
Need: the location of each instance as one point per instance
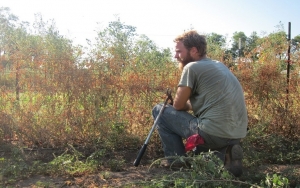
(288, 66)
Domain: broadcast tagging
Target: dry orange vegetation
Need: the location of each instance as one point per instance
(54, 95)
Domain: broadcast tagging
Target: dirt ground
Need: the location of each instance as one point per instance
(130, 176)
(126, 177)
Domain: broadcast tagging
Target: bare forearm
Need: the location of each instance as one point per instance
(186, 107)
(181, 100)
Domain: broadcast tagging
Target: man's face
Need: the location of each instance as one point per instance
(182, 54)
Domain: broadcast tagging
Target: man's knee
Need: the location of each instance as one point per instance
(156, 109)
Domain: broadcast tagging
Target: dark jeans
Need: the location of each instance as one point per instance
(173, 126)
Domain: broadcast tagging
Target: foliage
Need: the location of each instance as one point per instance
(216, 45)
(206, 170)
(56, 95)
(71, 163)
(15, 165)
(275, 181)
(238, 44)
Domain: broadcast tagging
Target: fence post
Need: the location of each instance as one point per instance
(288, 67)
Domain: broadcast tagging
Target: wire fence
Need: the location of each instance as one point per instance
(54, 105)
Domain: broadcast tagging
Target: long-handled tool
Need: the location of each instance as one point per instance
(144, 147)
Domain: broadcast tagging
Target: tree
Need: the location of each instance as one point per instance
(214, 38)
(238, 44)
(148, 54)
(116, 42)
(215, 46)
(8, 23)
(14, 46)
(118, 46)
(296, 40)
(252, 42)
(273, 49)
(278, 40)
(295, 44)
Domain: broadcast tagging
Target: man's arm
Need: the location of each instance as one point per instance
(181, 101)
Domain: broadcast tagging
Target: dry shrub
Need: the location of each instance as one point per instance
(6, 127)
(265, 88)
(111, 98)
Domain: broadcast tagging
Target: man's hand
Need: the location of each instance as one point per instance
(169, 99)
(171, 102)
(181, 101)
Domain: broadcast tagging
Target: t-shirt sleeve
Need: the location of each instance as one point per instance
(187, 77)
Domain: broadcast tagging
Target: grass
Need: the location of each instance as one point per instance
(271, 158)
(261, 170)
(91, 119)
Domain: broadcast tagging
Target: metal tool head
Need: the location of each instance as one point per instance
(168, 93)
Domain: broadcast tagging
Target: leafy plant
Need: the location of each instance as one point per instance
(56, 95)
(206, 170)
(116, 164)
(275, 181)
(70, 163)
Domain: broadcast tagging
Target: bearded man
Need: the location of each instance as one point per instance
(215, 97)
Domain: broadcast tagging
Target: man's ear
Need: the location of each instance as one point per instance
(194, 51)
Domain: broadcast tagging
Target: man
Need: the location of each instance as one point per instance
(215, 97)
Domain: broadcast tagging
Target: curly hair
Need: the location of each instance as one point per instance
(193, 39)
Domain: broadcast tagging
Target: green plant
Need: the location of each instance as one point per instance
(14, 166)
(43, 184)
(116, 164)
(206, 170)
(72, 163)
(96, 157)
(105, 175)
(275, 181)
(54, 94)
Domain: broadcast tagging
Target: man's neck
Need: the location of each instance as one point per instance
(200, 58)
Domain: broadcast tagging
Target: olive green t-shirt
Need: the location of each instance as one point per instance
(217, 98)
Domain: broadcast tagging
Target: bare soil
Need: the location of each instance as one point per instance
(130, 176)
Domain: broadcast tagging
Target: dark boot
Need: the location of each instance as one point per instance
(233, 160)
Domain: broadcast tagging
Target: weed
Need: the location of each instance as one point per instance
(105, 175)
(206, 170)
(14, 166)
(116, 164)
(70, 163)
(103, 100)
(275, 181)
(42, 184)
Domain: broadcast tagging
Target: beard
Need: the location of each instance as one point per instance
(183, 62)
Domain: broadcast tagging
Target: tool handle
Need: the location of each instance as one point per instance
(140, 155)
(144, 147)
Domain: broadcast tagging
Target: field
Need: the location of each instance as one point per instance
(77, 117)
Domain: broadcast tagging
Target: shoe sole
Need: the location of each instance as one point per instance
(236, 156)
(236, 152)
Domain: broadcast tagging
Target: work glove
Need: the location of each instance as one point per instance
(193, 141)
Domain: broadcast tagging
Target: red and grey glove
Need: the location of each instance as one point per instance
(193, 141)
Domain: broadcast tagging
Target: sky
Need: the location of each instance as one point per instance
(161, 20)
